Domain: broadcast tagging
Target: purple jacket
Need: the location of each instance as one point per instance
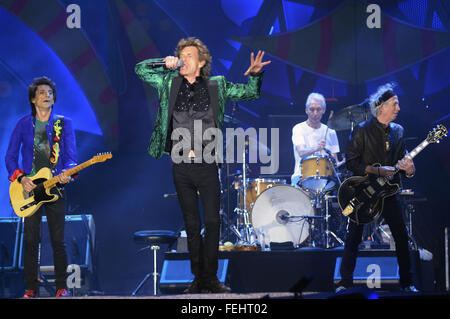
(22, 140)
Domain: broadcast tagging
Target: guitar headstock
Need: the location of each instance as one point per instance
(436, 134)
(101, 157)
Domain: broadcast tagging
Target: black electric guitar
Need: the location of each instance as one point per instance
(361, 198)
(26, 204)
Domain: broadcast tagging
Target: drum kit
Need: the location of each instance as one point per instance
(270, 210)
(304, 215)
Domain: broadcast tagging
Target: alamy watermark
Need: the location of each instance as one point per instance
(251, 146)
(373, 21)
(73, 280)
(374, 279)
(73, 21)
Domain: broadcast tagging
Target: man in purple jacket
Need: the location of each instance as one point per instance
(43, 139)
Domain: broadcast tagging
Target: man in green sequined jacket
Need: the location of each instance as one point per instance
(186, 96)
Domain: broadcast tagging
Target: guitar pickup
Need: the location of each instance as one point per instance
(27, 206)
(369, 191)
(381, 181)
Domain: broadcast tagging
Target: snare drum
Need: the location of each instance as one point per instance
(317, 174)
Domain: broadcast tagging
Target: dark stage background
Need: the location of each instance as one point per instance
(323, 46)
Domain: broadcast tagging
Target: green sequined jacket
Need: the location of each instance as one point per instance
(167, 83)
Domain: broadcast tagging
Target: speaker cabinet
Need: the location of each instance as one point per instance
(79, 237)
(176, 275)
(9, 239)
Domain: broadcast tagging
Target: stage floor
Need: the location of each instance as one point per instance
(314, 270)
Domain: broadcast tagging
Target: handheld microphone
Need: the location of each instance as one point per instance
(157, 64)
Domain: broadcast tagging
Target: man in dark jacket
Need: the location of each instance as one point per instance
(379, 140)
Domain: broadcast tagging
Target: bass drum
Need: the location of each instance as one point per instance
(278, 212)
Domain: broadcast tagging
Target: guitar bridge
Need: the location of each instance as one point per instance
(350, 207)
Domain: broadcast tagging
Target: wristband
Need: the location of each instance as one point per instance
(19, 179)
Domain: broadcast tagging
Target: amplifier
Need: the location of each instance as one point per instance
(176, 275)
(9, 239)
(79, 237)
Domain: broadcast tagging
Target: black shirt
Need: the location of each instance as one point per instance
(193, 103)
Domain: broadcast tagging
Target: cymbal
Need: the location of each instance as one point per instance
(349, 117)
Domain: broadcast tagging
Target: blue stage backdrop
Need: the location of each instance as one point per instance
(323, 46)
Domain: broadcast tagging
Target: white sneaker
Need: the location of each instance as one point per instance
(340, 288)
(409, 289)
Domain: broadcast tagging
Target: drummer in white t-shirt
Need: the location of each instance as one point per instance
(308, 137)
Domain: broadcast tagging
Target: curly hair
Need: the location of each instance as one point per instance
(33, 87)
(383, 93)
(203, 53)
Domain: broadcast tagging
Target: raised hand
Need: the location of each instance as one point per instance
(256, 63)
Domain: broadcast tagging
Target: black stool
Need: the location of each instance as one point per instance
(154, 238)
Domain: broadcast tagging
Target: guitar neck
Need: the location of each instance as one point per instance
(53, 181)
(418, 149)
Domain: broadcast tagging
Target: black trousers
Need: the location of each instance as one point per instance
(55, 213)
(393, 216)
(191, 181)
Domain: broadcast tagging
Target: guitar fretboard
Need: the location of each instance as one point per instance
(53, 181)
(418, 149)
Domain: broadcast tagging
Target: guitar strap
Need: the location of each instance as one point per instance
(56, 140)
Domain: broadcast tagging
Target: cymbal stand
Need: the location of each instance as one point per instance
(248, 235)
(224, 196)
(248, 230)
(328, 232)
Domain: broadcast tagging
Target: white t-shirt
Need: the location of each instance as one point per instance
(305, 136)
